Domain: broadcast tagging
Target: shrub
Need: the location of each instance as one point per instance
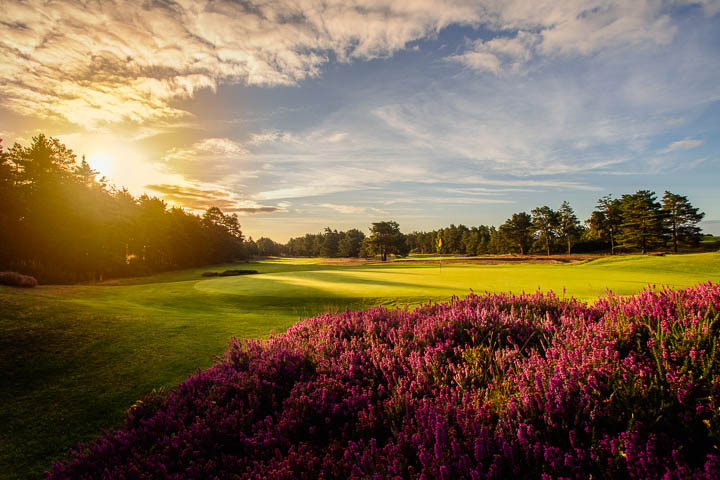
(232, 273)
(15, 279)
(490, 386)
(229, 273)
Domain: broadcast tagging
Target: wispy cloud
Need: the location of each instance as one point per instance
(199, 199)
(687, 144)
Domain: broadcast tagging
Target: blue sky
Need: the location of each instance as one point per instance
(301, 115)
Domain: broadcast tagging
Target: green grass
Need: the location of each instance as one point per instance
(74, 358)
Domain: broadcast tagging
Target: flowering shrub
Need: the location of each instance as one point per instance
(490, 386)
(15, 279)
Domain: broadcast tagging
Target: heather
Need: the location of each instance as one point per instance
(489, 386)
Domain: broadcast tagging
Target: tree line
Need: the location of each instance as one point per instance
(60, 221)
(632, 222)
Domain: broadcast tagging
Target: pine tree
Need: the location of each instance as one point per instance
(607, 219)
(546, 222)
(518, 230)
(642, 225)
(569, 225)
(681, 219)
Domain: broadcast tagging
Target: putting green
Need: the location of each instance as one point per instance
(585, 280)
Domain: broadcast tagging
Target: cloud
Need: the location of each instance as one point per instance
(97, 63)
(208, 160)
(346, 209)
(687, 144)
(199, 199)
(502, 54)
(568, 28)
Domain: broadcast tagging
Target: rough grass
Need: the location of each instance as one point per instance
(74, 358)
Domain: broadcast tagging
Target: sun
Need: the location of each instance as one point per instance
(102, 162)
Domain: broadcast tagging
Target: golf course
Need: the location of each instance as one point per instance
(76, 357)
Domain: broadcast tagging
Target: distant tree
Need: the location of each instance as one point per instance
(642, 225)
(330, 243)
(546, 223)
(606, 220)
(268, 248)
(386, 238)
(569, 226)
(681, 219)
(351, 243)
(518, 231)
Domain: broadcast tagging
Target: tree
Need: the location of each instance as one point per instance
(569, 225)
(607, 219)
(546, 222)
(330, 243)
(386, 238)
(681, 219)
(351, 243)
(518, 231)
(642, 216)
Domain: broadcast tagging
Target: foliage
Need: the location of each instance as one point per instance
(330, 243)
(569, 226)
(681, 219)
(642, 216)
(546, 223)
(62, 223)
(491, 386)
(385, 239)
(606, 219)
(15, 279)
(518, 230)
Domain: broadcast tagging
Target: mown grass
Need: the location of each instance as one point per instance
(74, 358)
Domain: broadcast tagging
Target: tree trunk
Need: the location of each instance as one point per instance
(547, 245)
(675, 238)
(569, 245)
(612, 243)
(644, 245)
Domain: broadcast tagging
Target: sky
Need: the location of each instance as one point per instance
(302, 114)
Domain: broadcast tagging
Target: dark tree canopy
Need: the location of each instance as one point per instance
(60, 222)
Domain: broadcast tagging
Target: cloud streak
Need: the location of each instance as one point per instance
(687, 144)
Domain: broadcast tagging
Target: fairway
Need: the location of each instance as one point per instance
(74, 358)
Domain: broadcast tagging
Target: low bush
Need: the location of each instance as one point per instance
(232, 273)
(14, 279)
(490, 386)
(229, 273)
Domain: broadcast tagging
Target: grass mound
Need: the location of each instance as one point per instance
(490, 386)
